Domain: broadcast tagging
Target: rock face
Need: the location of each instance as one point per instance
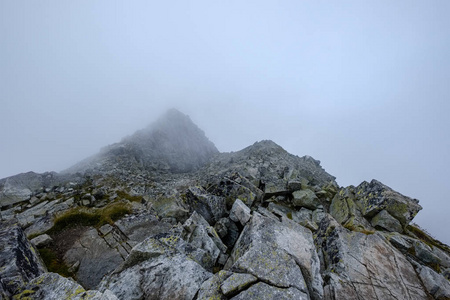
(18, 258)
(163, 215)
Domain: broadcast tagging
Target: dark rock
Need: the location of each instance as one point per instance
(19, 260)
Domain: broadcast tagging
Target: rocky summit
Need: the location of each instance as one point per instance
(163, 215)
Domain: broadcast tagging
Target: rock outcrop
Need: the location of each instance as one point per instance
(164, 215)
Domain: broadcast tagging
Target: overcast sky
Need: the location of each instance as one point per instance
(362, 86)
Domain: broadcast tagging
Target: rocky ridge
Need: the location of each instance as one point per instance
(164, 215)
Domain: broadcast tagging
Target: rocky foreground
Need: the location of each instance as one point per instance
(164, 215)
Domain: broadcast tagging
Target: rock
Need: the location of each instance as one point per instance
(436, 284)
(211, 207)
(291, 244)
(240, 212)
(305, 198)
(138, 227)
(19, 261)
(19, 188)
(375, 197)
(52, 286)
(41, 240)
(95, 256)
(210, 289)
(236, 283)
(347, 210)
(163, 277)
(262, 290)
(230, 229)
(361, 265)
(236, 186)
(198, 233)
(295, 185)
(425, 254)
(387, 222)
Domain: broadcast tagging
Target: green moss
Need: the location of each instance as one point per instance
(289, 215)
(90, 217)
(53, 263)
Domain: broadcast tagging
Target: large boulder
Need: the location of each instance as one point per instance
(357, 265)
(282, 253)
(19, 260)
(375, 197)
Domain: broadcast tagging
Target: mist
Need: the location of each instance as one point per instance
(360, 86)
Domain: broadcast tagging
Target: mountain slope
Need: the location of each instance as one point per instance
(173, 143)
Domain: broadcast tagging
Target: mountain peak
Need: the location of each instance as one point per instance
(172, 143)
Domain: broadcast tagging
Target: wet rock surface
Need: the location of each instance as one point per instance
(163, 215)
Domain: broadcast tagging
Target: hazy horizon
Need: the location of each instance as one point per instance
(361, 86)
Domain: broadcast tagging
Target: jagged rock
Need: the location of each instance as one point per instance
(236, 186)
(387, 222)
(52, 286)
(305, 198)
(360, 265)
(228, 231)
(291, 244)
(95, 256)
(240, 212)
(347, 210)
(436, 284)
(211, 207)
(169, 206)
(198, 233)
(19, 261)
(375, 197)
(236, 283)
(163, 277)
(262, 290)
(41, 240)
(267, 163)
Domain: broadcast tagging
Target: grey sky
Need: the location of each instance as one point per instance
(362, 86)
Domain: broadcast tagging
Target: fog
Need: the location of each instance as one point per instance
(362, 86)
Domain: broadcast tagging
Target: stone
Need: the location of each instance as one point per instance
(96, 258)
(52, 286)
(163, 277)
(305, 198)
(262, 290)
(375, 197)
(240, 212)
(286, 246)
(387, 222)
(19, 260)
(235, 186)
(138, 227)
(437, 285)
(198, 233)
(211, 207)
(294, 185)
(364, 265)
(41, 240)
(236, 283)
(210, 289)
